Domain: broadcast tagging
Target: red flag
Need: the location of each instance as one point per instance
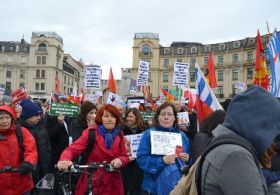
(57, 84)
(211, 76)
(261, 75)
(147, 92)
(111, 82)
(168, 96)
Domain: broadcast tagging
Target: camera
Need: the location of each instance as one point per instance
(109, 168)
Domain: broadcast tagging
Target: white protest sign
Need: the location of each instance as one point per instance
(114, 99)
(143, 73)
(163, 143)
(240, 85)
(92, 98)
(134, 143)
(183, 118)
(181, 74)
(2, 91)
(93, 76)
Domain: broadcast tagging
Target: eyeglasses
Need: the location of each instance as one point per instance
(169, 115)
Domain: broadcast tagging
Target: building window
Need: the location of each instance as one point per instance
(21, 74)
(205, 61)
(42, 47)
(8, 86)
(220, 90)
(250, 55)
(193, 49)
(43, 74)
(236, 44)
(165, 77)
(193, 61)
(192, 76)
(23, 60)
(8, 74)
(39, 60)
(21, 84)
(42, 86)
(180, 51)
(220, 59)
(179, 60)
(166, 51)
(207, 48)
(12, 48)
(9, 58)
(146, 49)
(220, 75)
(235, 58)
(165, 63)
(249, 73)
(222, 47)
(38, 73)
(37, 86)
(165, 87)
(64, 79)
(235, 74)
(44, 60)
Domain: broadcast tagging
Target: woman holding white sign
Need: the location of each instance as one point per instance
(132, 175)
(161, 150)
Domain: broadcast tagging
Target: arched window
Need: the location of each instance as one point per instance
(146, 49)
(42, 47)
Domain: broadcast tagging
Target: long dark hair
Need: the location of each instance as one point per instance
(140, 124)
(160, 108)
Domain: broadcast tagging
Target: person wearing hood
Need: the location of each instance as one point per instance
(153, 165)
(231, 169)
(30, 118)
(20, 181)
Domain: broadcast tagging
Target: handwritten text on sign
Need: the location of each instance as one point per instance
(163, 143)
(134, 143)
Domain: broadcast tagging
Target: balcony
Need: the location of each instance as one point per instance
(41, 52)
(145, 54)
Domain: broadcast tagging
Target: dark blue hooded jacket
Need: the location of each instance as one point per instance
(255, 116)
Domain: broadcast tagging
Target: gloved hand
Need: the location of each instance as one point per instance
(25, 168)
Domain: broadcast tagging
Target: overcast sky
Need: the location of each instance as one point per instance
(101, 31)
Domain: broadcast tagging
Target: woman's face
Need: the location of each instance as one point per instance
(5, 121)
(108, 120)
(130, 119)
(166, 117)
(91, 115)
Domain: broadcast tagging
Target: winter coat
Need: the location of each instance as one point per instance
(153, 164)
(13, 183)
(230, 169)
(105, 183)
(59, 137)
(132, 175)
(77, 127)
(41, 137)
(199, 144)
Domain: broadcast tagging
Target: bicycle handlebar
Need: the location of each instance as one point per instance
(9, 169)
(94, 166)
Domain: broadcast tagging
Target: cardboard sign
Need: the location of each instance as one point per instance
(134, 143)
(163, 143)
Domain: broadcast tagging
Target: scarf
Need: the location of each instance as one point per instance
(108, 136)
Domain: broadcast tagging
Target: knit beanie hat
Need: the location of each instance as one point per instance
(29, 109)
(86, 107)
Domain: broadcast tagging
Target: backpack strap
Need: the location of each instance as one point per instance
(91, 140)
(20, 141)
(220, 140)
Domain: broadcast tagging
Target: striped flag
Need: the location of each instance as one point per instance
(206, 100)
(274, 50)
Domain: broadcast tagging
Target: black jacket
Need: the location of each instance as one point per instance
(41, 137)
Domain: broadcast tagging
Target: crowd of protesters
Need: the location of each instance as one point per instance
(48, 141)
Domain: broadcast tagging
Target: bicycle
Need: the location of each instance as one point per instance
(64, 179)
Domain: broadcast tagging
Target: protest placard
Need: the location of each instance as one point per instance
(134, 143)
(143, 73)
(93, 76)
(181, 74)
(163, 143)
(183, 118)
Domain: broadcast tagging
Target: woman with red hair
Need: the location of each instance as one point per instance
(109, 146)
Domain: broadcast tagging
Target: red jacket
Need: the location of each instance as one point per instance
(12, 183)
(104, 183)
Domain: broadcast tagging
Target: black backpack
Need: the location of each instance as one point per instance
(20, 140)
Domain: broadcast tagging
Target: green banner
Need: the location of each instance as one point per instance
(175, 92)
(68, 109)
(147, 115)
